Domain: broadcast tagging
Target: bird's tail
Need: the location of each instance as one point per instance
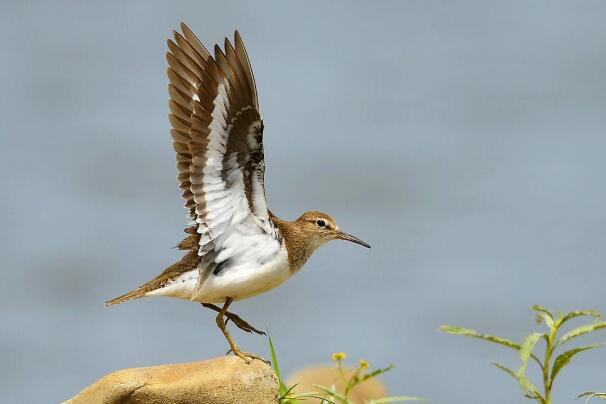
(133, 294)
(189, 261)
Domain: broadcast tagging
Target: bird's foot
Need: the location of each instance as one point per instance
(241, 324)
(247, 356)
(237, 320)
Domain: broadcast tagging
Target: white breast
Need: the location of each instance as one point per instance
(238, 282)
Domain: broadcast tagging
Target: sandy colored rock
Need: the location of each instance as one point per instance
(328, 376)
(225, 380)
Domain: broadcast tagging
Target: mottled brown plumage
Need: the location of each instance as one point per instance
(302, 236)
(190, 242)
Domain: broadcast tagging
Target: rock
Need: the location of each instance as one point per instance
(327, 376)
(224, 380)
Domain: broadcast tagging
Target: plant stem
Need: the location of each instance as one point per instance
(342, 376)
(546, 364)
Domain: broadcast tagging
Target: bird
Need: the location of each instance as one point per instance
(234, 247)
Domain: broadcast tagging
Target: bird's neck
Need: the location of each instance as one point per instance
(299, 244)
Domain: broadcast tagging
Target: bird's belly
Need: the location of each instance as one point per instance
(238, 282)
(241, 283)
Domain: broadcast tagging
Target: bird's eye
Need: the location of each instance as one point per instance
(321, 223)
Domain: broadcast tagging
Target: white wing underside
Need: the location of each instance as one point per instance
(237, 238)
(217, 133)
(223, 196)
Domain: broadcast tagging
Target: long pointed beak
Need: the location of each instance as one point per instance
(344, 236)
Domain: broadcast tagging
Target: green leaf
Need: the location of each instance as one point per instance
(579, 313)
(525, 352)
(545, 315)
(592, 394)
(274, 358)
(312, 394)
(289, 392)
(505, 369)
(283, 390)
(582, 330)
(332, 392)
(396, 399)
(451, 329)
(376, 373)
(527, 387)
(538, 307)
(564, 358)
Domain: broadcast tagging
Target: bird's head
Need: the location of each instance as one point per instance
(320, 228)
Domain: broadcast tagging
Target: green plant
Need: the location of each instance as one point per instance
(359, 375)
(287, 395)
(330, 394)
(549, 368)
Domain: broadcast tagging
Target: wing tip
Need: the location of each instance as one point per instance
(184, 27)
(237, 36)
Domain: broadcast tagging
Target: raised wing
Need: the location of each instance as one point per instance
(218, 136)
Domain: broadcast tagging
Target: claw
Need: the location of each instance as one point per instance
(247, 357)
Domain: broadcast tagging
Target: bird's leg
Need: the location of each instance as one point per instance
(237, 320)
(220, 319)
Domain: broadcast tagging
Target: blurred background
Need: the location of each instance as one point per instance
(464, 140)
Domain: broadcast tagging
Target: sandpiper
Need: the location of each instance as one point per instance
(236, 247)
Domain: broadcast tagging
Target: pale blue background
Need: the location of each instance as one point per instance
(464, 140)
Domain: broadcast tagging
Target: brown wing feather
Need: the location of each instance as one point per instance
(196, 78)
(184, 58)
